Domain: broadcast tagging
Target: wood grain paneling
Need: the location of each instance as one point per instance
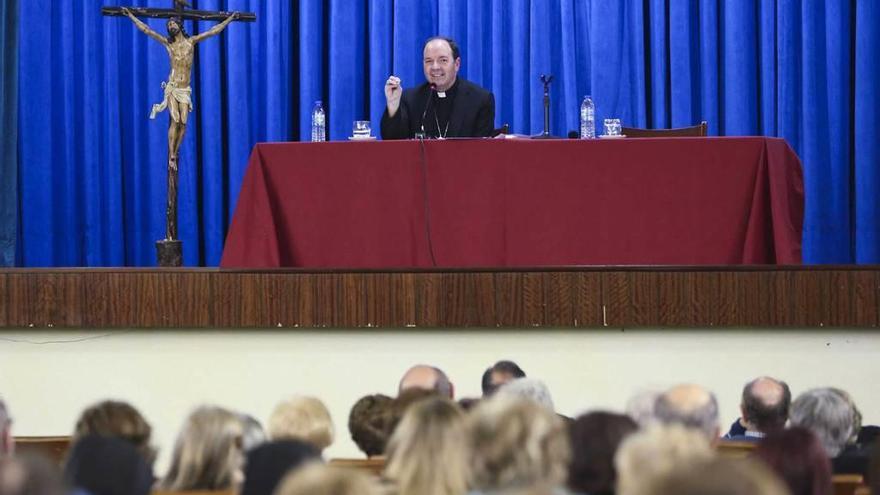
(622, 297)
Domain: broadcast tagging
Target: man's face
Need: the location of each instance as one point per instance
(173, 28)
(440, 68)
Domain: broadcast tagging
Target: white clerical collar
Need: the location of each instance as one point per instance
(441, 94)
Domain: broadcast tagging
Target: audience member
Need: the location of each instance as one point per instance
(7, 442)
(367, 423)
(29, 475)
(764, 409)
(468, 403)
(427, 378)
(208, 452)
(650, 454)
(498, 374)
(595, 438)
(400, 404)
(269, 463)
(873, 477)
(318, 479)
(796, 455)
(691, 406)
(427, 454)
(719, 477)
(302, 418)
(527, 388)
(106, 465)
(516, 445)
(827, 414)
(117, 419)
(640, 407)
(253, 434)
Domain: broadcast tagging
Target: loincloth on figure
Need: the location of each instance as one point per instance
(181, 95)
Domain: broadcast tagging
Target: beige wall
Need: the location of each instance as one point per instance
(48, 377)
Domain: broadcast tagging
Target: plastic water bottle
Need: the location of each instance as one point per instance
(319, 130)
(588, 118)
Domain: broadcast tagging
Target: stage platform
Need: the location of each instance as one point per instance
(565, 297)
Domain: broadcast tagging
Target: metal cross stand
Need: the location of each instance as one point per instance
(177, 98)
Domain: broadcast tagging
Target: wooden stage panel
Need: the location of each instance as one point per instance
(569, 297)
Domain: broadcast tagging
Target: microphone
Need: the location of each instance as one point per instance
(431, 89)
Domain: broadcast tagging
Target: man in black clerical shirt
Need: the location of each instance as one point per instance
(445, 106)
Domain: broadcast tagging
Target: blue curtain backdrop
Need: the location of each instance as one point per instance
(92, 166)
(8, 131)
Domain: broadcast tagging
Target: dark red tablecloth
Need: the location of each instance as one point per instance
(519, 203)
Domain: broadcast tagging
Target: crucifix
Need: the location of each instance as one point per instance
(177, 94)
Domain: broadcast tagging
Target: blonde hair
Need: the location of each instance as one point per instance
(208, 453)
(427, 453)
(648, 455)
(319, 479)
(302, 418)
(516, 444)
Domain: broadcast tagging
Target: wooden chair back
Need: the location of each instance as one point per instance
(699, 130)
(195, 492)
(735, 448)
(54, 448)
(373, 465)
(847, 484)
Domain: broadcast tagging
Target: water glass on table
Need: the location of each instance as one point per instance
(361, 129)
(612, 127)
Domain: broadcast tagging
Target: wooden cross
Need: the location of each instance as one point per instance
(179, 9)
(177, 94)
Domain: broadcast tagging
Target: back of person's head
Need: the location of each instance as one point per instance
(827, 414)
(499, 374)
(268, 463)
(367, 423)
(654, 452)
(302, 418)
(516, 444)
(7, 444)
(595, 438)
(691, 406)
(796, 455)
(118, 419)
(400, 404)
(208, 452)
(529, 389)
(103, 465)
(857, 414)
(765, 403)
(318, 479)
(253, 434)
(29, 475)
(428, 378)
(427, 454)
(719, 476)
(640, 407)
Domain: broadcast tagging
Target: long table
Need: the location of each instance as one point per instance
(516, 203)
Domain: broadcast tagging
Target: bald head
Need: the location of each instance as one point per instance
(426, 378)
(691, 406)
(765, 404)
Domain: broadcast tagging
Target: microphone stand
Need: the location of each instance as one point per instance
(546, 80)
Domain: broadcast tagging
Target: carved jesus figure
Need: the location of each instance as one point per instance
(178, 93)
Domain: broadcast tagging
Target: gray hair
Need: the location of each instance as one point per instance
(827, 414)
(700, 411)
(528, 388)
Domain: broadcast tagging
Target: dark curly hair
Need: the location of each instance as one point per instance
(367, 423)
(179, 22)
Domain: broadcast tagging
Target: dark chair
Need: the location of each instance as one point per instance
(700, 130)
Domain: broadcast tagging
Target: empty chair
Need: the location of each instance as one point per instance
(699, 130)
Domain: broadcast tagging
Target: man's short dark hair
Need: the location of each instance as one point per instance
(367, 423)
(456, 53)
(504, 366)
(766, 417)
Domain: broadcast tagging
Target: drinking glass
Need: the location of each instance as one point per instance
(361, 129)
